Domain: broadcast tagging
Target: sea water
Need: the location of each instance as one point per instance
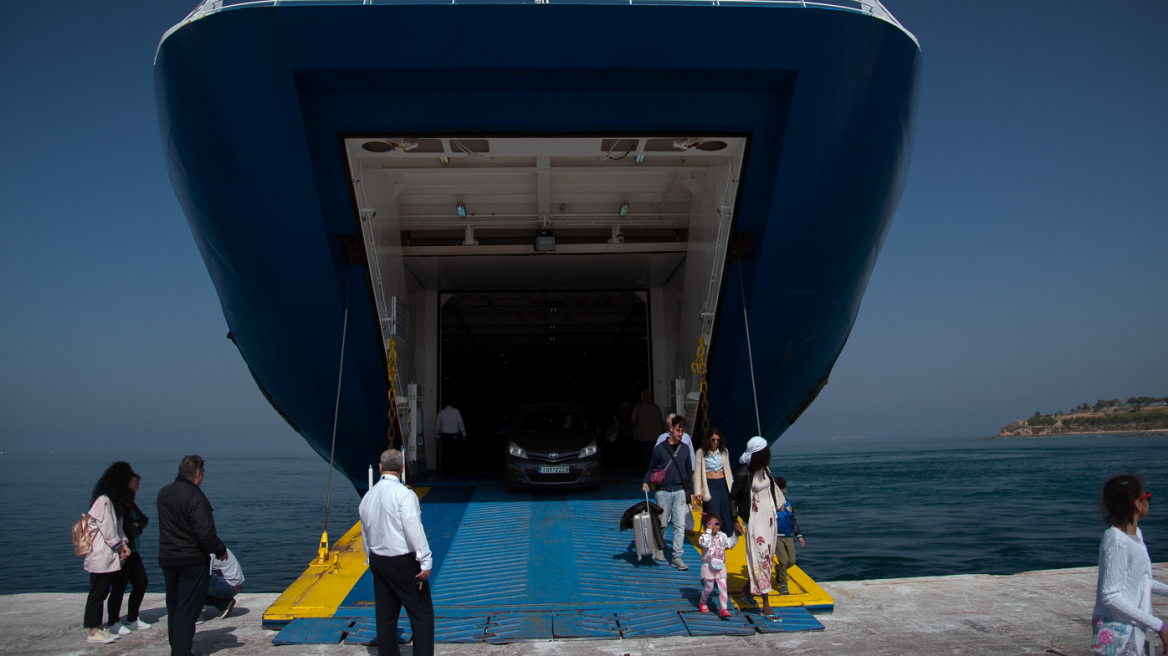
(867, 509)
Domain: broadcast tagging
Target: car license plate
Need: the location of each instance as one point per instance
(554, 470)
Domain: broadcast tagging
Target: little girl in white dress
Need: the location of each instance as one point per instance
(714, 544)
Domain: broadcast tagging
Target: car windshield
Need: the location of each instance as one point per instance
(552, 421)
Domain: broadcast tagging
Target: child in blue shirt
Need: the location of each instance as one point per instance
(788, 530)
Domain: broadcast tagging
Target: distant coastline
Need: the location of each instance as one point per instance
(1143, 414)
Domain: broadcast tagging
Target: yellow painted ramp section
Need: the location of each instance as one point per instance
(322, 587)
(804, 591)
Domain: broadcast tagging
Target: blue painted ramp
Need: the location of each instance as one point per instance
(525, 550)
(525, 566)
(313, 631)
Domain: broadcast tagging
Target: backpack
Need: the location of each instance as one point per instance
(82, 536)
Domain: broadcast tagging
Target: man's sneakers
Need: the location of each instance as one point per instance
(138, 625)
(659, 556)
(119, 628)
(680, 564)
(101, 636)
(227, 611)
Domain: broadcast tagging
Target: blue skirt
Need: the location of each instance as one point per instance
(719, 503)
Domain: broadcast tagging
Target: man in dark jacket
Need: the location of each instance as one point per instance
(673, 491)
(186, 538)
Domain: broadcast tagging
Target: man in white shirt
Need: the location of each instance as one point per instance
(685, 438)
(226, 582)
(399, 558)
(450, 428)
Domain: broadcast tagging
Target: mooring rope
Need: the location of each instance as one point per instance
(749, 352)
(336, 413)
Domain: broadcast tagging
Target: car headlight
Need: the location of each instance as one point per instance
(517, 451)
(588, 450)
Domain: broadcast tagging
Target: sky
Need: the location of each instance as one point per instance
(1025, 269)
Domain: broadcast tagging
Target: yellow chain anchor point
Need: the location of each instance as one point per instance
(323, 551)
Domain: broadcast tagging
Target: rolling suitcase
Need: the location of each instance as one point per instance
(644, 535)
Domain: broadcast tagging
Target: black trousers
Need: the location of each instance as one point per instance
(134, 573)
(186, 588)
(451, 448)
(99, 589)
(394, 586)
(645, 451)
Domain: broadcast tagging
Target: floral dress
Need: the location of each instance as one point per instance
(761, 533)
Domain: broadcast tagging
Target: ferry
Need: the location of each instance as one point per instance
(507, 203)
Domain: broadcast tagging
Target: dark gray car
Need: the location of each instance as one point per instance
(552, 445)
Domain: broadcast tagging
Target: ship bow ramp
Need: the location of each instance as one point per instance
(521, 203)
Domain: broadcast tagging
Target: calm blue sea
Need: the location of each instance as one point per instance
(868, 509)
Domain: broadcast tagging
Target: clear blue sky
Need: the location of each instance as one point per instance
(1026, 268)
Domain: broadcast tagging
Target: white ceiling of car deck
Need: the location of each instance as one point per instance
(527, 183)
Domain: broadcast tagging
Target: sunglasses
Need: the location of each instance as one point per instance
(715, 522)
(1147, 496)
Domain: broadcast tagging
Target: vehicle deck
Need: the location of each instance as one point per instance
(533, 565)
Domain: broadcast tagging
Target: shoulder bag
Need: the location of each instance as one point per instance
(658, 475)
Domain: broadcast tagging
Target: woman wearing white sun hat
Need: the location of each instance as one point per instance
(756, 499)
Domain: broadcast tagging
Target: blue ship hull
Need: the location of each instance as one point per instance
(253, 100)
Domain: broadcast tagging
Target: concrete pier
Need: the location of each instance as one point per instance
(1030, 613)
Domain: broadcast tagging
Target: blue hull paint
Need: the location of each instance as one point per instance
(252, 102)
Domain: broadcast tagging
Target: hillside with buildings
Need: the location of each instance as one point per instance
(1138, 413)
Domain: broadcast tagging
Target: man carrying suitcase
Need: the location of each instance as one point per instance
(671, 468)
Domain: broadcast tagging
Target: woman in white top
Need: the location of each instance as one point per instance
(1123, 596)
(712, 478)
(112, 497)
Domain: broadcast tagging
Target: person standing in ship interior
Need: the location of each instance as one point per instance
(756, 500)
(186, 539)
(111, 497)
(399, 558)
(648, 422)
(625, 448)
(673, 488)
(448, 424)
(712, 478)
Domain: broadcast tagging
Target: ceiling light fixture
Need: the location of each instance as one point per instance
(624, 210)
(545, 241)
(461, 209)
(640, 159)
(444, 161)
